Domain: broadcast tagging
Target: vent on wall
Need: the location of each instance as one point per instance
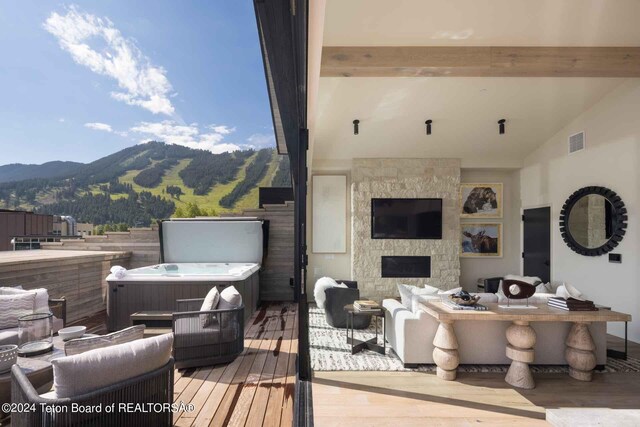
(576, 142)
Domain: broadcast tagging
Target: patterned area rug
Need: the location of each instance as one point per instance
(330, 352)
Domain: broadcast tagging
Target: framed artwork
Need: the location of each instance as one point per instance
(329, 214)
(480, 240)
(481, 200)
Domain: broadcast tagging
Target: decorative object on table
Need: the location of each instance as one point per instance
(481, 200)
(72, 332)
(464, 298)
(366, 305)
(480, 240)
(517, 290)
(35, 334)
(8, 356)
(593, 221)
(571, 304)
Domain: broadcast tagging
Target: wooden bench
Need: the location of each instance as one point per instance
(156, 322)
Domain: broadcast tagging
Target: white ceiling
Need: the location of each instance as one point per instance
(465, 111)
(482, 23)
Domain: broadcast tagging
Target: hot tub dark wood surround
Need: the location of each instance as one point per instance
(125, 298)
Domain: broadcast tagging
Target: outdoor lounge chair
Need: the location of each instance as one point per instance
(221, 341)
(133, 373)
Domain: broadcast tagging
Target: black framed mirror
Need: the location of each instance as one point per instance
(593, 221)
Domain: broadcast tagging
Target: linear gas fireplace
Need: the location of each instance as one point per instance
(406, 266)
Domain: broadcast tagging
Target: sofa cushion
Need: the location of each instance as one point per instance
(418, 300)
(408, 291)
(41, 301)
(81, 345)
(9, 336)
(96, 369)
(321, 285)
(210, 303)
(14, 306)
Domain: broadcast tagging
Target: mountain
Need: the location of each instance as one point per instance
(144, 182)
(19, 172)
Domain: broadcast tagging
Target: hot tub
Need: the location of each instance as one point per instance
(196, 271)
(195, 256)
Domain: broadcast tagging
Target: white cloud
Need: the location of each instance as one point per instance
(141, 83)
(61, 119)
(99, 126)
(211, 138)
(261, 140)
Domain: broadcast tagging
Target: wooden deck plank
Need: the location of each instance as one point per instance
(248, 388)
(286, 418)
(232, 393)
(267, 380)
(273, 413)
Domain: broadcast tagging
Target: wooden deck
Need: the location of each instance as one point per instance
(256, 389)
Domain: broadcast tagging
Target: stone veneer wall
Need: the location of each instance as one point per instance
(404, 178)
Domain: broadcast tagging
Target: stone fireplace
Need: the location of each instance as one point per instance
(404, 178)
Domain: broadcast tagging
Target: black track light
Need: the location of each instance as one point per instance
(356, 126)
(501, 123)
(428, 123)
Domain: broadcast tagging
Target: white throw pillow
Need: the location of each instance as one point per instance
(14, 306)
(433, 289)
(408, 291)
(41, 301)
(321, 285)
(569, 291)
(83, 373)
(229, 298)
(210, 303)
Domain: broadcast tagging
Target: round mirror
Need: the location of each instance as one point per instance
(593, 221)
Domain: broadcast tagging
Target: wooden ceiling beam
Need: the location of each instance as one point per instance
(481, 61)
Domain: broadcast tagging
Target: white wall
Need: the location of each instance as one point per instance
(474, 268)
(611, 159)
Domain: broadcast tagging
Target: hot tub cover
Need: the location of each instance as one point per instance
(201, 240)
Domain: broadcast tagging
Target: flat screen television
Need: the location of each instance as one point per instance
(406, 218)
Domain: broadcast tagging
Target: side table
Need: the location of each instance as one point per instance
(372, 343)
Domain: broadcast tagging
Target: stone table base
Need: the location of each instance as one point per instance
(445, 353)
(580, 352)
(521, 338)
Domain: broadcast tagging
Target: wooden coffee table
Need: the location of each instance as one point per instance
(521, 338)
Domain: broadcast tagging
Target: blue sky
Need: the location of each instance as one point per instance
(85, 79)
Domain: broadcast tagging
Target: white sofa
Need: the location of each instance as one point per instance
(410, 333)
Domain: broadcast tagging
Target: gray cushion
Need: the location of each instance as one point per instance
(14, 306)
(80, 345)
(230, 298)
(9, 336)
(83, 373)
(190, 333)
(210, 303)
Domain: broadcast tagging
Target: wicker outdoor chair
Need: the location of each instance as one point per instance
(221, 341)
(155, 387)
